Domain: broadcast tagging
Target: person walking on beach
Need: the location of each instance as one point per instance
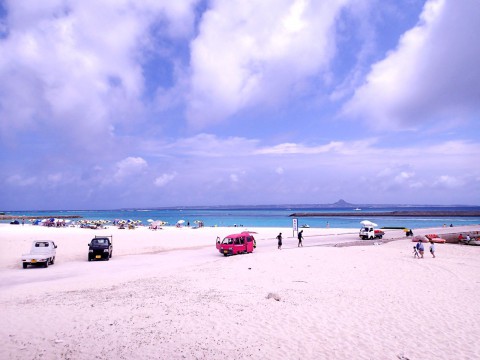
(420, 248)
(279, 238)
(432, 248)
(300, 238)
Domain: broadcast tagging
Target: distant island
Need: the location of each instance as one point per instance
(340, 204)
(406, 213)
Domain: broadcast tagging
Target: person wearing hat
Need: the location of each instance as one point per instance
(420, 248)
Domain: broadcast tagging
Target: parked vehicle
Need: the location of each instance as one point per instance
(241, 243)
(42, 253)
(369, 233)
(100, 248)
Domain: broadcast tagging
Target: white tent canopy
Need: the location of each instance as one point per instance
(368, 223)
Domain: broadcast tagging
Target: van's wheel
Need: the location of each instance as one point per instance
(380, 236)
(46, 263)
(89, 258)
(25, 265)
(52, 261)
(371, 238)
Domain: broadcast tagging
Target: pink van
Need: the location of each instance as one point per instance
(236, 244)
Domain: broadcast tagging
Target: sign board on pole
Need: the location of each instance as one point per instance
(295, 226)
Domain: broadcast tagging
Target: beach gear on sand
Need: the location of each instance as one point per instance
(435, 238)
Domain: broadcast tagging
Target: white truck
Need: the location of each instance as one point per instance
(42, 253)
(369, 233)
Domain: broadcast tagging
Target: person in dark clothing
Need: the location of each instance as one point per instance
(420, 248)
(300, 238)
(279, 238)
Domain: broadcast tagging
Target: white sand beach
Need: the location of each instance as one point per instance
(169, 294)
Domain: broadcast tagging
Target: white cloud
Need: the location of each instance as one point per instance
(432, 74)
(203, 144)
(17, 180)
(164, 179)
(55, 178)
(448, 181)
(128, 167)
(257, 52)
(76, 66)
(332, 147)
(403, 177)
(416, 185)
(293, 148)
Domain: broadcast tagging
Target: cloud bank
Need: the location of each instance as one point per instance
(154, 103)
(431, 75)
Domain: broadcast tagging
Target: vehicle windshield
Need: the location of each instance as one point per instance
(100, 241)
(41, 244)
(228, 240)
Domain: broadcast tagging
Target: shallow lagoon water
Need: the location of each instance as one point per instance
(269, 217)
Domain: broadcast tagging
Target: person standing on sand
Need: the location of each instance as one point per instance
(420, 248)
(279, 238)
(432, 248)
(300, 238)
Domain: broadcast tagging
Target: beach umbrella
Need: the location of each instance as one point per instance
(150, 220)
(368, 223)
(180, 221)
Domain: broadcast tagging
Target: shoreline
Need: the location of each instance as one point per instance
(11, 217)
(16, 239)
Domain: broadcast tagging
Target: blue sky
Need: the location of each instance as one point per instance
(113, 104)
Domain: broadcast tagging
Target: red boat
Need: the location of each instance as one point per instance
(241, 243)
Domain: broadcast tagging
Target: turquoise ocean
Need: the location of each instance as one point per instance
(270, 216)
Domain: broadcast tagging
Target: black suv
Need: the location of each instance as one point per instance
(100, 248)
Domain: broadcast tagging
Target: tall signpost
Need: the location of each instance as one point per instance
(295, 226)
